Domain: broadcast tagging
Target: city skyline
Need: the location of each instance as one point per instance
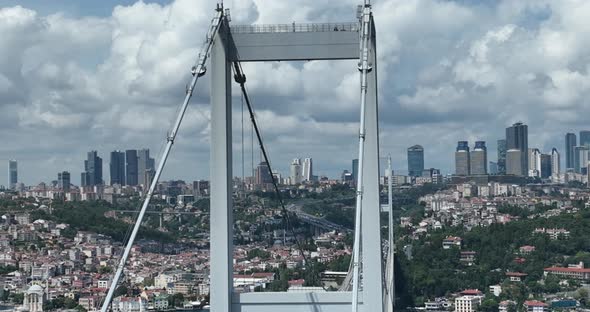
(287, 172)
(427, 95)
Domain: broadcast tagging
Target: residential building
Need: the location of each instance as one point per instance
(467, 257)
(415, 160)
(517, 139)
(573, 273)
(535, 306)
(117, 168)
(496, 290)
(570, 143)
(12, 174)
(479, 159)
(516, 276)
(296, 176)
(469, 301)
(502, 156)
(451, 241)
(129, 304)
(462, 161)
(131, 169)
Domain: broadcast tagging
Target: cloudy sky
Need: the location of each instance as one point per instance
(82, 75)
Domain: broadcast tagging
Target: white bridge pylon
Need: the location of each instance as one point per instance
(226, 44)
(291, 42)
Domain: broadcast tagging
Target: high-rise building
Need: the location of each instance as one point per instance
(415, 160)
(493, 167)
(502, 156)
(479, 158)
(131, 170)
(144, 163)
(263, 175)
(462, 161)
(117, 168)
(585, 138)
(63, 181)
(12, 174)
(580, 159)
(307, 170)
(534, 155)
(545, 163)
(514, 162)
(92, 174)
(517, 138)
(296, 176)
(555, 163)
(355, 169)
(570, 143)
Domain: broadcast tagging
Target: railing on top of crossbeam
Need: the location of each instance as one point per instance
(294, 27)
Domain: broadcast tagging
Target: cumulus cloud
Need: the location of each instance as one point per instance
(448, 71)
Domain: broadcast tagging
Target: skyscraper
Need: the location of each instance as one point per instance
(307, 169)
(580, 159)
(517, 138)
(117, 168)
(585, 138)
(555, 163)
(493, 167)
(12, 174)
(415, 160)
(545, 164)
(131, 167)
(92, 174)
(263, 175)
(144, 163)
(534, 155)
(355, 169)
(462, 160)
(514, 162)
(63, 181)
(479, 158)
(501, 156)
(296, 176)
(570, 143)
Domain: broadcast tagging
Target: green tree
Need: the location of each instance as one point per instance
(488, 305)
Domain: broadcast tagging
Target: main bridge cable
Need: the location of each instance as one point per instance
(240, 78)
(197, 70)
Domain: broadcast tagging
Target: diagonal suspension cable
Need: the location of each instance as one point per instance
(240, 78)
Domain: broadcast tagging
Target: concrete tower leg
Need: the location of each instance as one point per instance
(221, 260)
(371, 231)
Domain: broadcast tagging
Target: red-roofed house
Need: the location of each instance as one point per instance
(471, 292)
(451, 241)
(516, 276)
(525, 250)
(576, 273)
(535, 306)
(469, 300)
